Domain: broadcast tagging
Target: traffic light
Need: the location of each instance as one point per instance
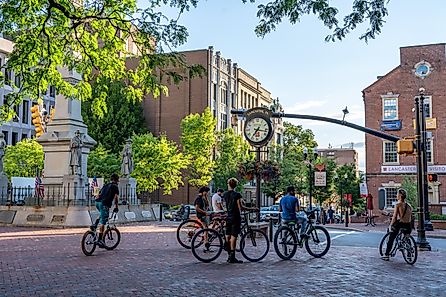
(432, 177)
(37, 120)
(405, 146)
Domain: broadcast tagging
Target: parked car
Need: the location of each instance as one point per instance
(269, 212)
(175, 214)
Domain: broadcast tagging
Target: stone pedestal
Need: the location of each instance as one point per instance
(57, 140)
(127, 190)
(3, 186)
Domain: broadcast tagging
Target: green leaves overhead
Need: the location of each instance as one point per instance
(95, 39)
(23, 159)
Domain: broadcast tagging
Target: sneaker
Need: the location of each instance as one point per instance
(235, 260)
(101, 244)
(385, 258)
(206, 250)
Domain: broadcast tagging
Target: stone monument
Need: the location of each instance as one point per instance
(3, 177)
(127, 184)
(66, 145)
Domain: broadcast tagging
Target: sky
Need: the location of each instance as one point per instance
(307, 74)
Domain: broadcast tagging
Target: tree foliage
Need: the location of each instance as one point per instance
(371, 11)
(90, 37)
(410, 185)
(198, 140)
(102, 163)
(23, 159)
(123, 118)
(290, 159)
(231, 151)
(158, 163)
(348, 183)
(322, 194)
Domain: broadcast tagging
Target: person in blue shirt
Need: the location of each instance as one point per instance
(289, 206)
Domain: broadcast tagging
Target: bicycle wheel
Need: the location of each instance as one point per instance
(186, 231)
(318, 242)
(254, 245)
(383, 244)
(88, 243)
(207, 251)
(409, 250)
(112, 237)
(285, 243)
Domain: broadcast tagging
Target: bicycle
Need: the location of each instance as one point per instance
(187, 229)
(112, 237)
(316, 239)
(254, 244)
(404, 243)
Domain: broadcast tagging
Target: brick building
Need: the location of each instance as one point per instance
(341, 156)
(224, 87)
(388, 107)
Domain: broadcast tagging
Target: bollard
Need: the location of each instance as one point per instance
(161, 212)
(270, 230)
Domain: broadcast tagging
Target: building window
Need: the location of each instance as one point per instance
(234, 103)
(17, 81)
(224, 94)
(429, 154)
(8, 76)
(53, 91)
(391, 198)
(17, 113)
(390, 152)
(25, 112)
(390, 109)
(24, 136)
(428, 106)
(224, 121)
(214, 92)
(5, 134)
(279, 138)
(15, 138)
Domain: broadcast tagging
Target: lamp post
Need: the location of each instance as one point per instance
(308, 160)
(419, 111)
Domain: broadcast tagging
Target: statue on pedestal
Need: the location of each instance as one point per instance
(127, 159)
(76, 154)
(2, 150)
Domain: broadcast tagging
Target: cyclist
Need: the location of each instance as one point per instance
(288, 206)
(234, 208)
(107, 195)
(401, 219)
(202, 205)
(216, 201)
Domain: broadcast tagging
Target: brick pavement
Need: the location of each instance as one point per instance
(149, 262)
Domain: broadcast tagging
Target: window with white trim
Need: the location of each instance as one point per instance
(428, 106)
(390, 153)
(390, 109)
(391, 197)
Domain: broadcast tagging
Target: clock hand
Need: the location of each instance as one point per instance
(255, 131)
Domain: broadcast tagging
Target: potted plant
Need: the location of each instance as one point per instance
(269, 170)
(247, 169)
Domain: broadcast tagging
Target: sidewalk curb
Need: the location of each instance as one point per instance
(344, 228)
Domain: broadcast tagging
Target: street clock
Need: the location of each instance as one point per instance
(258, 127)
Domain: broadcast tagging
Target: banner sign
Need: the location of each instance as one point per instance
(363, 191)
(320, 179)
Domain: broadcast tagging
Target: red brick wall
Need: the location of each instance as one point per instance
(402, 81)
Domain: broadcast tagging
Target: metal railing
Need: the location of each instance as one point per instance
(61, 196)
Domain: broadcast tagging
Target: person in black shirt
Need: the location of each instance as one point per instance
(202, 204)
(234, 206)
(107, 195)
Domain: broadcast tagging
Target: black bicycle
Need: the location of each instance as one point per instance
(404, 243)
(208, 243)
(112, 237)
(315, 238)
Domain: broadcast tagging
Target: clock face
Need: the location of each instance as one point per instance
(422, 69)
(257, 130)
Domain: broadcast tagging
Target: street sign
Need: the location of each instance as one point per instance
(363, 191)
(320, 179)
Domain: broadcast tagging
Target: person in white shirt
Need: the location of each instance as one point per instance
(216, 201)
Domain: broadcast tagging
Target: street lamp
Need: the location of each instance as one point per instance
(345, 112)
(308, 160)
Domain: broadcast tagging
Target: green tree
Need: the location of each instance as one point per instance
(158, 163)
(102, 163)
(371, 11)
(91, 37)
(348, 183)
(23, 159)
(198, 140)
(231, 151)
(322, 194)
(290, 159)
(410, 185)
(123, 118)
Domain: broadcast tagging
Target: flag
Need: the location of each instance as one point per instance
(38, 188)
(94, 187)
